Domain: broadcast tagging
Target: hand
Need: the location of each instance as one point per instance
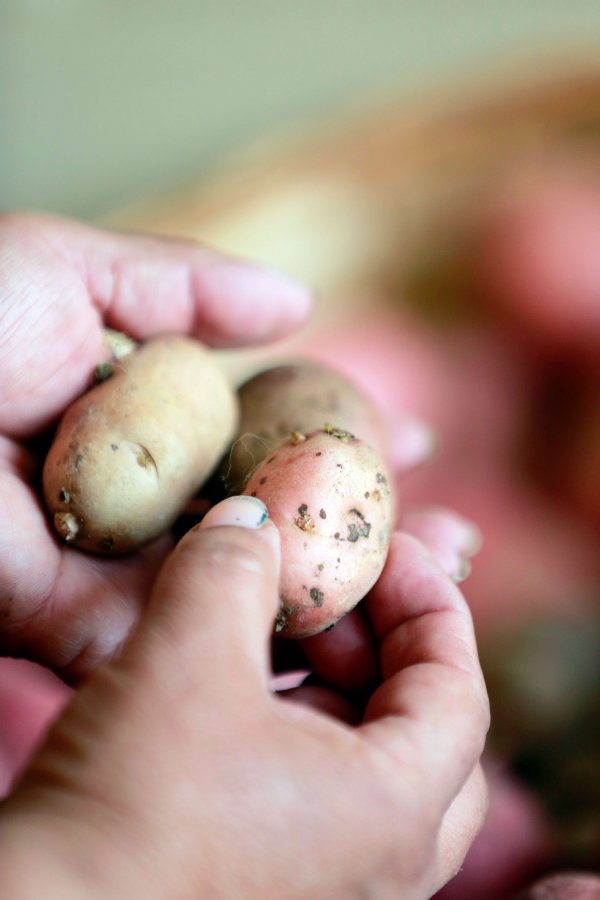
(60, 282)
(175, 772)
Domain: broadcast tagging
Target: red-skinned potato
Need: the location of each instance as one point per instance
(329, 495)
(130, 452)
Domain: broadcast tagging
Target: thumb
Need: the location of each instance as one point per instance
(135, 758)
(213, 605)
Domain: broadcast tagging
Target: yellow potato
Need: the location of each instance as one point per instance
(129, 454)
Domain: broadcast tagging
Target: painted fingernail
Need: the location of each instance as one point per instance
(242, 511)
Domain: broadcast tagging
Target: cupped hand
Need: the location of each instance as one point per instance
(60, 284)
(177, 772)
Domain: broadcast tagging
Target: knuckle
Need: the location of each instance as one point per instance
(234, 558)
(480, 704)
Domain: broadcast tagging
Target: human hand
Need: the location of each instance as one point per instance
(60, 283)
(176, 772)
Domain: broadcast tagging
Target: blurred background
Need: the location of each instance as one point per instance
(104, 101)
(433, 170)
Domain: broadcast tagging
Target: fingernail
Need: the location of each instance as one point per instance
(463, 571)
(461, 534)
(286, 681)
(474, 540)
(242, 511)
(444, 528)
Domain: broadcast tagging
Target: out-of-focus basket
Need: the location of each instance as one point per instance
(368, 205)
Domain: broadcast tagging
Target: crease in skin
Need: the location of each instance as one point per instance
(40, 611)
(17, 460)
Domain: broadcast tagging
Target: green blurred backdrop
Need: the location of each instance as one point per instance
(106, 101)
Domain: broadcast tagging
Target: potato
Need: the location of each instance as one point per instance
(129, 454)
(329, 495)
(301, 397)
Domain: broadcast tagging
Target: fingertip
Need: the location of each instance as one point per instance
(451, 538)
(413, 443)
(413, 583)
(241, 511)
(245, 303)
(214, 603)
(247, 512)
(441, 526)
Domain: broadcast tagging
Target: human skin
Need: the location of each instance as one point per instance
(60, 283)
(145, 787)
(147, 760)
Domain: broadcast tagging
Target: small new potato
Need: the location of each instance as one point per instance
(329, 495)
(302, 396)
(130, 453)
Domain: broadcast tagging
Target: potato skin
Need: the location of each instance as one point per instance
(129, 453)
(303, 396)
(329, 495)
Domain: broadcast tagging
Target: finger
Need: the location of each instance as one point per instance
(30, 699)
(213, 607)
(452, 539)
(347, 656)
(315, 698)
(431, 711)
(413, 443)
(68, 610)
(460, 826)
(146, 285)
(286, 681)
